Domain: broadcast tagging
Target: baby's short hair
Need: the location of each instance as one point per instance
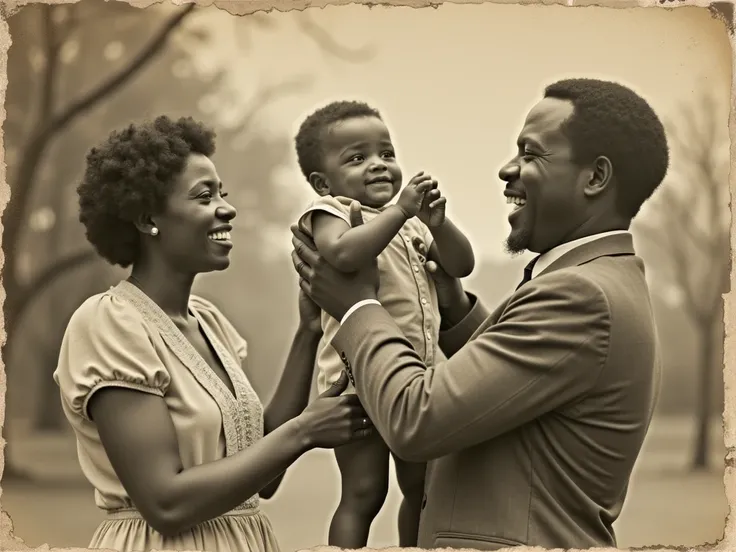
(309, 138)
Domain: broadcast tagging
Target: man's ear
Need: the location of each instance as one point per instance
(146, 225)
(319, 183)
(601, 175)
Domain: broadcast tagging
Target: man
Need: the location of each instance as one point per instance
(533, 425)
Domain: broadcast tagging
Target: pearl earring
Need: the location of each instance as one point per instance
(154, 231)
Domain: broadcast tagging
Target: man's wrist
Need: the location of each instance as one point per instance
(356, 306)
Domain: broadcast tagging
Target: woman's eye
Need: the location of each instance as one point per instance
(223, 194)
(205, 195)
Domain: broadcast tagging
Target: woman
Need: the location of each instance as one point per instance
(170, 432)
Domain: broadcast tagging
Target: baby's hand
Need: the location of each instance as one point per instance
(412, 196)
(432, 211)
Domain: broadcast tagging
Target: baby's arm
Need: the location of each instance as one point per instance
(349, 248)
(451, 250)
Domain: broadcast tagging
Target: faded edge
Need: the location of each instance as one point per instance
(244, 7)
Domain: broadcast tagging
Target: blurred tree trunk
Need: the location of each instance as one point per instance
(710, 361)
(689, 223)
(49, 126)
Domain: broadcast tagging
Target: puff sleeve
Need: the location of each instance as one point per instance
(106, 345)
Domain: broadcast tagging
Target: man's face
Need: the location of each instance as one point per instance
(543, 184)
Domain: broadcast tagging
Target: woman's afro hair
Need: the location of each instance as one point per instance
(132, 174)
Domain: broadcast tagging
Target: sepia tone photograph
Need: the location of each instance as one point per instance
(365, 276)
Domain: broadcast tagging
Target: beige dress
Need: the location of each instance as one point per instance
(122, 338)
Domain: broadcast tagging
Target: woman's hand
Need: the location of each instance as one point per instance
(333, 420)
(309, 314)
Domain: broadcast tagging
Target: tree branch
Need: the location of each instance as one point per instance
(325, 41)
(48, 83)
(267, 94)
(46, 277)
(144, 56)
(36, 146)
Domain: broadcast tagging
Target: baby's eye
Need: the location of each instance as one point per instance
(388, 154)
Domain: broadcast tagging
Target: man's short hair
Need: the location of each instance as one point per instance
(610, 119)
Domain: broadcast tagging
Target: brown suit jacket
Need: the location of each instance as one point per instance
(533, 425)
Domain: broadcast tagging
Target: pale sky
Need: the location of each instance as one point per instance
(455, 83)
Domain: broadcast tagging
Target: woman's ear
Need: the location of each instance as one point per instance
(319, 183)
(146, 225)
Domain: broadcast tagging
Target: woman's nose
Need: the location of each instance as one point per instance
(226, 211)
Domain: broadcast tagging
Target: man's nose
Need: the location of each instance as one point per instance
(509, 172)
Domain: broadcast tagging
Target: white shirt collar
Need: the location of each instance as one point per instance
(555, 253)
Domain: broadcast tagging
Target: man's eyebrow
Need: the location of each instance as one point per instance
(521, 142)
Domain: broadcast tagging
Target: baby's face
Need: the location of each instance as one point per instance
(359, 161)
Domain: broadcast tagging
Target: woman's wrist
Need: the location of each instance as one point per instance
(300, 432)
(307, 328)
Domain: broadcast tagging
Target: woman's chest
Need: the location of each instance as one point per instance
(205, 349)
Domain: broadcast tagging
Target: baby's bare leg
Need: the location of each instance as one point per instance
(410, 477)
(364, 474)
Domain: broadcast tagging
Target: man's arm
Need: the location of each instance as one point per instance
(546, 350)
(451, 249)
(349, 248)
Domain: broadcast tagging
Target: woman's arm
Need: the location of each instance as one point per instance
(292, 390)
(140, 440)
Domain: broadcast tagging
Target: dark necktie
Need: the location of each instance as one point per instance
(528, 271)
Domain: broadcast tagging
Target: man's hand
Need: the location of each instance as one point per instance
(334, 291)
(411, 197)
(432, 211)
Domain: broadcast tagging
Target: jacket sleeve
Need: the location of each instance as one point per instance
(547, 349)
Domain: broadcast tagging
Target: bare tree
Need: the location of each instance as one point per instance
(50, 122)
(687, 222)
(41, 122)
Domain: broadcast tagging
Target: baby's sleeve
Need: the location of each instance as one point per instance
(328, 204)
(106, 345)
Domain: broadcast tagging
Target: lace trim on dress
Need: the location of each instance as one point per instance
(242, 414)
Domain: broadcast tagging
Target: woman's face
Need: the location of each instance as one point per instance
(194, 229)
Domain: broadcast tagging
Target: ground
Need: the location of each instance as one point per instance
(667, 504)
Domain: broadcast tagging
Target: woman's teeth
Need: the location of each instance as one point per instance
(517, 201)
(221, 236)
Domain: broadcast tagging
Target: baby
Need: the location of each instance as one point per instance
(345, 152)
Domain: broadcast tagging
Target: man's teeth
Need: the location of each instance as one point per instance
(519, 202)
(220, 236)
